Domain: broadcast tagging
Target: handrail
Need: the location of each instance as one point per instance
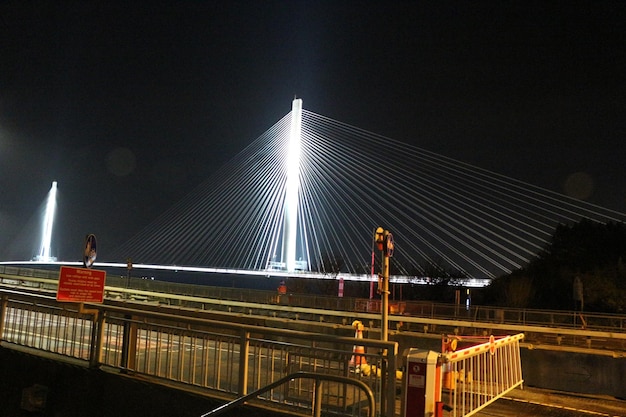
(133, 339)
(317, 409)
(238, 327)
(490, 314)
(548, 326)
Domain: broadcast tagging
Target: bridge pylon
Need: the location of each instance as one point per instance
(44, 254)
(290, 219)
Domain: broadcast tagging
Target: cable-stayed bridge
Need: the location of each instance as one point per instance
(308, 193)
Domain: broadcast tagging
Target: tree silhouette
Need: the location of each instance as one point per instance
(590, 251)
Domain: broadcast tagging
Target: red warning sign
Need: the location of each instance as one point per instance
(81, 285)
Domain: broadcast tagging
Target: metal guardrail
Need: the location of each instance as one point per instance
(228, 358)
(400, 309)
(599, 333)
(186, 350)
(604, 333)
(317, 398)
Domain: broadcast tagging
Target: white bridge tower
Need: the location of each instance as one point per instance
(48, 221)
(290, 222)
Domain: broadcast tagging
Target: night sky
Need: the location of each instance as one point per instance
(131, 105)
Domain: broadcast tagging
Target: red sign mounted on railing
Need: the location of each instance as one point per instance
(81, 285)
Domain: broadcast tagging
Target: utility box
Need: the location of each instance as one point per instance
(421, 386)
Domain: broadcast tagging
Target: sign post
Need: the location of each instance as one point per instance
(85, 285)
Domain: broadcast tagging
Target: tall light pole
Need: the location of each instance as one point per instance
(384, 241)
(129, 267)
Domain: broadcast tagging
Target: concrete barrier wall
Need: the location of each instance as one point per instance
(575, 372)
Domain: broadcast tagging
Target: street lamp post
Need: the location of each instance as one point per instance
(129, 266)
(384, 241)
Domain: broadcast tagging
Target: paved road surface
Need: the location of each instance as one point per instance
(531, 402)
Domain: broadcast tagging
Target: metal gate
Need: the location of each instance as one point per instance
(474, 377)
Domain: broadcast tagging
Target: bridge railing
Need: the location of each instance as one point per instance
(423, 309)
(227, 358)
(426, 309)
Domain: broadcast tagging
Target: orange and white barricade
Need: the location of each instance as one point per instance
(358, 351)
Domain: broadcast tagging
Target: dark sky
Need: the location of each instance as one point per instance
(130, 105)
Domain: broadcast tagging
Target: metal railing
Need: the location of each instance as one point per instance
(476, 376)
(229, 358)
(317, 387)
(604, 333)
(47, 279)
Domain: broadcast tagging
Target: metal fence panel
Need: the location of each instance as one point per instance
(226, 357)
(476, 376)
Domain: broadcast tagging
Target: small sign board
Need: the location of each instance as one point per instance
(81, 285)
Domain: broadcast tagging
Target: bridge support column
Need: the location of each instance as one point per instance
(290, 222)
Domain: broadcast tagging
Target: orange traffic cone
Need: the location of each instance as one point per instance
(358, 358)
